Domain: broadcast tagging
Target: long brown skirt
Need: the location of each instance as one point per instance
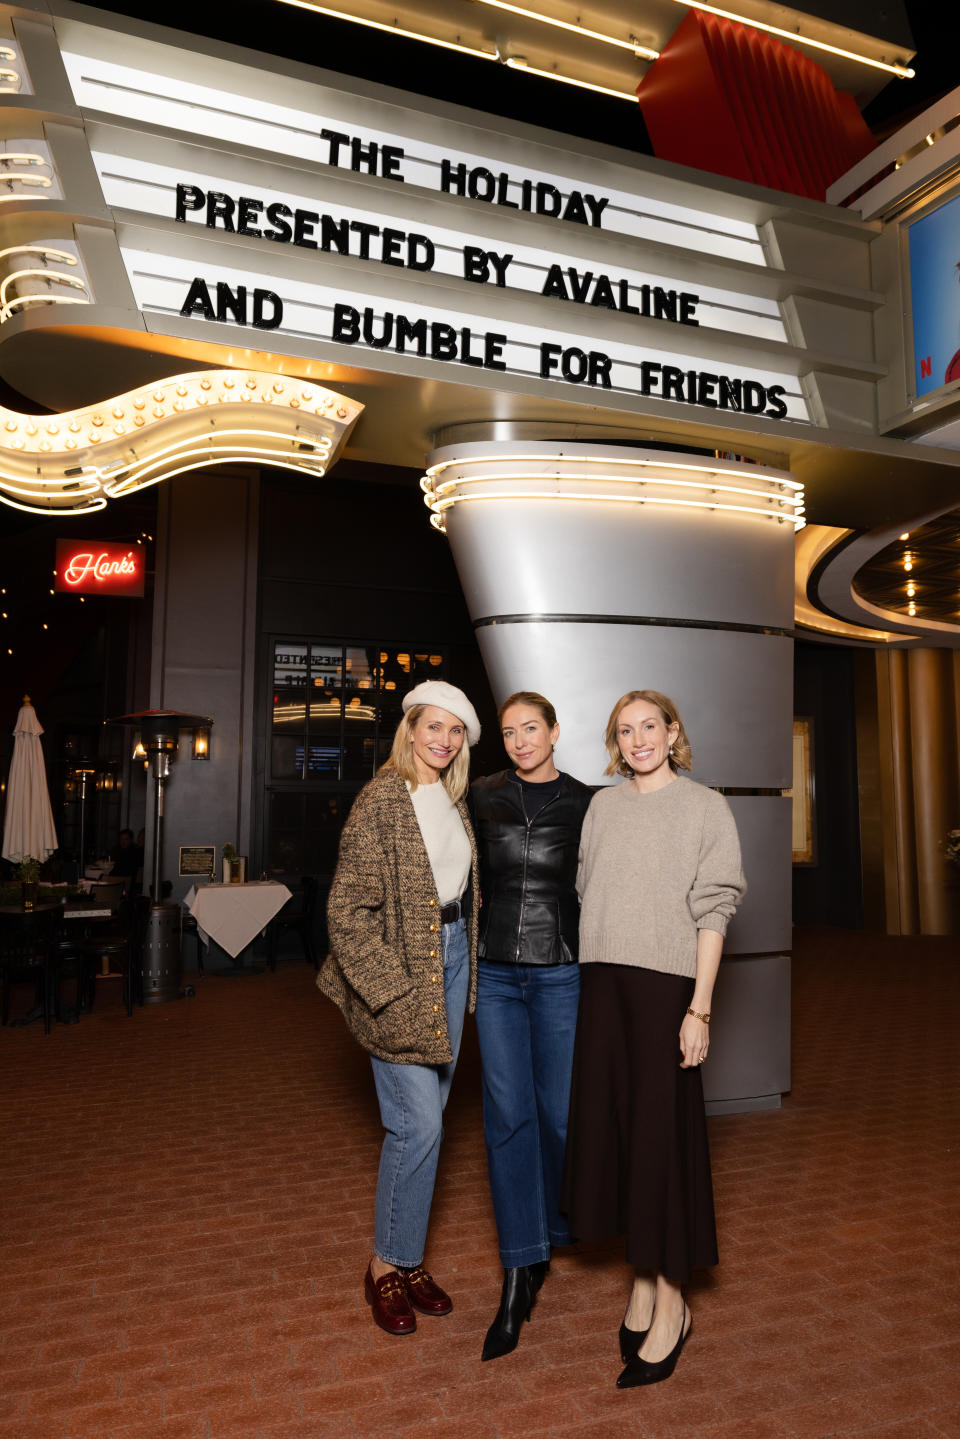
(638, 1162)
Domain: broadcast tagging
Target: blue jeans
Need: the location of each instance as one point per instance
(526, 1020)
(412, 1099)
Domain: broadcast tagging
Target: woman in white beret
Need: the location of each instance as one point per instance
(402, 968)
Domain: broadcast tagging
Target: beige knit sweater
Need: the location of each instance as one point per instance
(655, 868)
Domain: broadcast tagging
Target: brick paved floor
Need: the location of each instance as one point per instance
(186, 1209)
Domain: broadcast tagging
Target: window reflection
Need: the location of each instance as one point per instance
(335, 708)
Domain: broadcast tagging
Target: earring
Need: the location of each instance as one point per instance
(671, 750)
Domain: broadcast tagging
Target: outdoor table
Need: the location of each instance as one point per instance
(232, 915)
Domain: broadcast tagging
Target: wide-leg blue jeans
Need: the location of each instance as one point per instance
(412, 1099)
(526, 1021)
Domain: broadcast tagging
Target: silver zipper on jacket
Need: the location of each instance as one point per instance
(526, 851)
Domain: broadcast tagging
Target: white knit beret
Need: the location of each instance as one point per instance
(447, 697)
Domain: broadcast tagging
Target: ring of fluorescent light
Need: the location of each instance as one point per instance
(583, 478)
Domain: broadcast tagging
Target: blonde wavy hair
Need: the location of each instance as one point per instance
(455, 778)
(681, 755)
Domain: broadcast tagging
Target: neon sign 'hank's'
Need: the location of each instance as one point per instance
(101, 568)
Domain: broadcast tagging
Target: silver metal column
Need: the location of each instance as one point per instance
(590, 570)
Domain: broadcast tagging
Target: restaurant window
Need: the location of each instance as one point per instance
(334, 710)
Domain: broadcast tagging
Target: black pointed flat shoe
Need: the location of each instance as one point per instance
(630, 1341)
(642, 1371)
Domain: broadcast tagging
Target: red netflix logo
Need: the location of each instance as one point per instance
(99, 567)
(926, 368)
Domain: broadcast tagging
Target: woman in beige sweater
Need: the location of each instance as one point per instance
(659, 879)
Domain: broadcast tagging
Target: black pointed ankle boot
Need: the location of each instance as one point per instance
(517, 1299)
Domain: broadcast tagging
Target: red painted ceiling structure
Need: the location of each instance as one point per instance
(731, 100)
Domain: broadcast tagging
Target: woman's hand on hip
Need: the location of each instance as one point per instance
(694, 1041)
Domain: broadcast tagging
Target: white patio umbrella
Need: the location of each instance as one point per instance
(28, 823)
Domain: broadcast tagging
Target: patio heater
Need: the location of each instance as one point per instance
(159, 734)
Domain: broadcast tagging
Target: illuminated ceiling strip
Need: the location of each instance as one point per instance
(637, 463)
(752, 493)
(440, 506)
(515, 64)
(632, 45)
(393, 29)
(512, 63)
(901, 71)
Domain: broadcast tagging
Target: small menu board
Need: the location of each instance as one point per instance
(198, 860)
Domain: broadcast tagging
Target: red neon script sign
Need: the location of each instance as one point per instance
(99, 567)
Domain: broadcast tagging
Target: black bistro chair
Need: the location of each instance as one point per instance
(109, 949)
(298, 917)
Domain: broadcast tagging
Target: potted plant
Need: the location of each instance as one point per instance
(28, 873)
(234, 866)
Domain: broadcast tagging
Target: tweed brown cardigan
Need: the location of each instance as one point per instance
(385, 967)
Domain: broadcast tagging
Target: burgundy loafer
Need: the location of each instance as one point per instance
(424, 1293)
(391, 1307)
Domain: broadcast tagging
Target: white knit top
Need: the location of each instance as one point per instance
(655, 868)
(448, 847)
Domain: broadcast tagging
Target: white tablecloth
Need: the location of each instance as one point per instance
(234, 914)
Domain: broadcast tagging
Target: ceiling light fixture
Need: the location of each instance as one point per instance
(515, 63)
(633, 46)
(902, 72)
(393, 29)
(512, 63)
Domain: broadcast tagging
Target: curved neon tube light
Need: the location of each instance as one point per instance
(63, 257)
(55, 277)
(74, 462)
(743, 472)
(439, 491)
(577, 478)
(438, 523)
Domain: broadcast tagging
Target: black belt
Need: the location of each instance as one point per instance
(456, 909)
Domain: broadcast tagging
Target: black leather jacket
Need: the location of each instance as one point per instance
(529, 912)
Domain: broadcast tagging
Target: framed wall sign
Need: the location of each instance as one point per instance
(198, 860)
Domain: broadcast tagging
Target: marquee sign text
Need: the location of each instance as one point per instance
(409, 249)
